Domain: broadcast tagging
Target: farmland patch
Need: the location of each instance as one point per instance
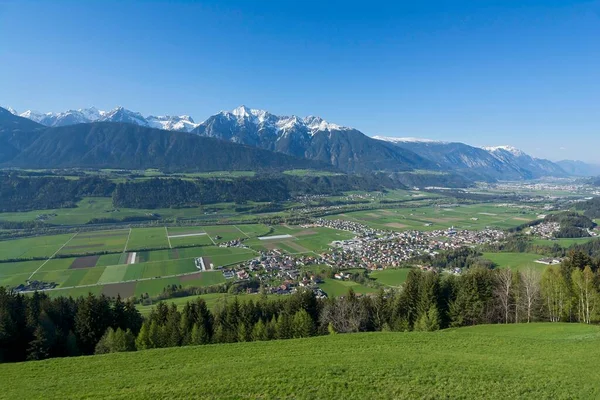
(125, 290)
(85, 262)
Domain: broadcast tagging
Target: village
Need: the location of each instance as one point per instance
(371, 249)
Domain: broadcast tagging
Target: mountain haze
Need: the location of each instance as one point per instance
(502, 162)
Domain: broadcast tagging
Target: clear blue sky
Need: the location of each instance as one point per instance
(525, 73)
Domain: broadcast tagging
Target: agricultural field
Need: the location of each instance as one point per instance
(337, 288)
(298, 240)
(126, 273)
(428, 218)
(148, 238)
(40, 246)
(90, 242)
(90, 208)
(515, 261)
(393, 277)
(490, 361)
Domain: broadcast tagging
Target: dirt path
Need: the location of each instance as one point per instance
(51, 257)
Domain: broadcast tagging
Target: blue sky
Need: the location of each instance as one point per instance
(525, 73)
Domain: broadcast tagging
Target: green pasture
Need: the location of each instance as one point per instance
(471, 217)
(337, 288)
(393, 277)
(39, 246)
(533, 361)
(564, 242)
(96, 241)
(515, 261)
(147, 238)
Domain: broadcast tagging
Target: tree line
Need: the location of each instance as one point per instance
(590, 208)
(34, 193)
(37, 327)
(34, 327)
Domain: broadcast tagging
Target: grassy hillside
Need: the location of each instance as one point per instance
(513, 361)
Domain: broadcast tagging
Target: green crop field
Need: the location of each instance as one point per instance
(41, 246)
(303, 240)
(393, 277)
(516, 261)
(472, 217)
(147, 238)
(535, 361)
(93, 242)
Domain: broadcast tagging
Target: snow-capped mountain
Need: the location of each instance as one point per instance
(310, 137)
(406, 140)
(182, 123)
(314, 138)
(500, 162)
(500, 150)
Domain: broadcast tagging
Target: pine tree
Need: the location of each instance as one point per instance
(242, 333)
(142, 342)
(38, 347)
(429, 321)
(283, 327)
(302, 325)
(106, 343)
(259, 332)
(272, 329)
(196, 336)
(154, 336)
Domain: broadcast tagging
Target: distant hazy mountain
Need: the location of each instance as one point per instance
(501, 162)
(183, 123)
(579, 168)
(27, 144)
(312, 138)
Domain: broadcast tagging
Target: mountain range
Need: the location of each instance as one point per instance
(181, 123)
(27, 144)
(500, 162)
(312, 138)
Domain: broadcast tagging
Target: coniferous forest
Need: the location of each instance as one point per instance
(34, 327)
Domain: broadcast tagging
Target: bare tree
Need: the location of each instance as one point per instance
(587, 296)
(503, 290)
(530, 279)
(555, 293)
(346, 314)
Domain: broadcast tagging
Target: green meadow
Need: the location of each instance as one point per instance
(393, 277)
(439, 217)
(532, 361)
(515, 261)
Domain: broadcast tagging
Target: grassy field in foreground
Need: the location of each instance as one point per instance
(493, 362)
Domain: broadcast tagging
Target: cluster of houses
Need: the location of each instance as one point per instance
(375, 249)
(545, 230)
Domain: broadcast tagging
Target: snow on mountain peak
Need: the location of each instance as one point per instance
(510, 149)
(12, 111)
(319, 124)
(406, 139)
